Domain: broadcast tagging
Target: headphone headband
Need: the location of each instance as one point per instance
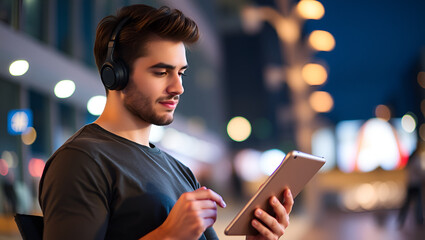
(115, 35)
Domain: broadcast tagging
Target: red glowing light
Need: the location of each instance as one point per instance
(4, 167)
(35, 167)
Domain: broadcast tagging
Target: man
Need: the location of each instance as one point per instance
(107, 181)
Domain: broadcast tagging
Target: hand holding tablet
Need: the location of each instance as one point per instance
(294, 172)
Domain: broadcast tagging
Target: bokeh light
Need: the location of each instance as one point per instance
(247, 165)
(189, 146)
(270, 160)
(251, 19)
(321, 40)
(366, 196)
(156, 134)
(314, 74)
(18, 67)
(365, 146)
(64, 89)
(4, 167)
(349, 200)
(239, 129)
(96, 105)
(310, 9)
(288, 30)
(383, 191)
(421, 79)
(377, 146)
(321, 101)
(29, 136)
(323, 143)
(383, 112)
(20, 121)
(35, 167)
(11, 158)
(373, 195)
(408, 123)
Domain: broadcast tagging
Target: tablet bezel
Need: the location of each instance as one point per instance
(295, 171)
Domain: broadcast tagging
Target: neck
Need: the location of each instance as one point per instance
(118, 120)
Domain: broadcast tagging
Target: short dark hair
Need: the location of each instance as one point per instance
(144, 23)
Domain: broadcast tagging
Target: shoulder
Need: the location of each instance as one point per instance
(75, 151)
(98, 144)
(71, 173)
(89, 139)
(76, 159)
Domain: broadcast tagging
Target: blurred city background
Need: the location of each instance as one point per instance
(339, 79)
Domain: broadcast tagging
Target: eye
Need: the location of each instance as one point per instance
(181, 74)
(160, 74)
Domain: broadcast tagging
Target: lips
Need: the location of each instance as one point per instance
(169, 104)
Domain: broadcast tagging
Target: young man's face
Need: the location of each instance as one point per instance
(155, 85)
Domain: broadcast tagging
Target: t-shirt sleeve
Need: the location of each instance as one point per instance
(74, 197)
(210, 234)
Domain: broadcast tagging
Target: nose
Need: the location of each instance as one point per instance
(175, 86)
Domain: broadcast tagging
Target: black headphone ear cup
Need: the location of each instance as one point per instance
(107, 75)
(114, 75)
(121, 74)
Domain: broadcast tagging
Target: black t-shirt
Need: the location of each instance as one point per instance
(101, 186)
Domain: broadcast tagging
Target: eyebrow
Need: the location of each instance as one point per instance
(167, 66)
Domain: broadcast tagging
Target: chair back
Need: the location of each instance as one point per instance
(30, 226)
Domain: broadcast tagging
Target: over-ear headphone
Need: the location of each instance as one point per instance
(114, 72)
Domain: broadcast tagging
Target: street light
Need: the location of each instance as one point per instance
(314, 74)
(310, 9)
(297, 72)
(321, 41)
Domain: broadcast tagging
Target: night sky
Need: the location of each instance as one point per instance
(376, 58)
(375, 61)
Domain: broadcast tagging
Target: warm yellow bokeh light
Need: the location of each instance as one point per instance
(314, 74)
(366, 196)
(310, 9)
(239, 129)
(321, 40)
(321, 101)
(29, 136)
(288, 30)
(421, 79)
(251, 19)
(383, 112)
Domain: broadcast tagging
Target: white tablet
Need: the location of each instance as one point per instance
(295, 172)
